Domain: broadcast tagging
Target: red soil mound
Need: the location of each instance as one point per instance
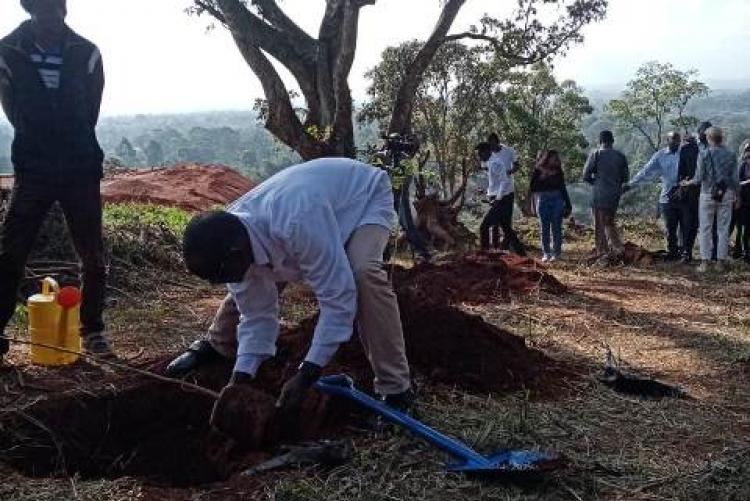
(474, 278)
(190, 187)
(160, 432)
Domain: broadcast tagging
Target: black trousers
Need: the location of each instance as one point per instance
(688, 223)
(742, 222)
(672, 214)
(501, 214)
(30, 203)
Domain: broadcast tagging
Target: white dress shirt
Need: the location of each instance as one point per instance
(298, 222)
(499, 165)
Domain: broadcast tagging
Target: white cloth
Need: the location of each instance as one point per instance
(499, 165)
(298, 222)
(709, 210)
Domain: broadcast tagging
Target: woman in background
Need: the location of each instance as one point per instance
(552, 202)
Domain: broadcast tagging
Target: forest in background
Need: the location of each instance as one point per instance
(238, 138)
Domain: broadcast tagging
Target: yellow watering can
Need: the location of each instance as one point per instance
(54, 320)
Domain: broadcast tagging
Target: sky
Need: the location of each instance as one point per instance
(160, 60)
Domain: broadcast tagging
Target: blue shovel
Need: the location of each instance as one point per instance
(469, 460)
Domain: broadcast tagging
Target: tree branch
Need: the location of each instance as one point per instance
(402, 110)
(248, 29)
(271, 11)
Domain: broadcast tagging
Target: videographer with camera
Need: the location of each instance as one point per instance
(397, 150)
(717, 176)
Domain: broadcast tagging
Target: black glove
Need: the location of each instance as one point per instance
(294, 391)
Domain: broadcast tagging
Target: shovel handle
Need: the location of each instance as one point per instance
(343, 386)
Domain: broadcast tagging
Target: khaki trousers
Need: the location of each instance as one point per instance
(607, 236)
(378, 319)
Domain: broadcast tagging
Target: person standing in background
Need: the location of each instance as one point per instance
(51, 85)
(743, 211)
(607, 171)
(717, 176)
(553, 203)
(501, 192)
(664, 165)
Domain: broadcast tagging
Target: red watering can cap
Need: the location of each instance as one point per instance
(69, 297)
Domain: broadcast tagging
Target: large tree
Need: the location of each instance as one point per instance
(448, 104)
(321, 65)
(655, 100)
(534, 112)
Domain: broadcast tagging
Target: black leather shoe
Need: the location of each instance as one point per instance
(199, 353)
(403, 402)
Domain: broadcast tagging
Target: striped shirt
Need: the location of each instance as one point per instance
(49, 64)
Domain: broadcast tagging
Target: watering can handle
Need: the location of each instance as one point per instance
(49, 286)
(343, 386)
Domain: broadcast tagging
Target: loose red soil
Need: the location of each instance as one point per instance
(190, 187)
(474, 278)
(160, 432)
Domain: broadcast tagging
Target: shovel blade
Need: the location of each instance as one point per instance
(512, 461)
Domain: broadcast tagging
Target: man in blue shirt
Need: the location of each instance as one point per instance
(664, 165)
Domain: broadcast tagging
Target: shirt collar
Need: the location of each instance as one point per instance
(260, 253)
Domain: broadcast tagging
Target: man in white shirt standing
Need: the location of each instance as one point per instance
(326, 222)
(502, 163)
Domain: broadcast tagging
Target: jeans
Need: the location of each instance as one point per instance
(550, 208)
(672, 214)
(378, 319)
(501, 214)
(718, 215)
(82, 205)
(605, 228)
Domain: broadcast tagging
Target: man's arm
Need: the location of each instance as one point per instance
(699, 170)
(258, 303)
(649, 171)
(6, 90)
(625, 169)
(316, 244)
(96, 84)
(588, 170)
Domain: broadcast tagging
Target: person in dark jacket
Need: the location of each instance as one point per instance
(51, 84)
(743, 212)
(688, 197)
(607, 171)
(552, 202)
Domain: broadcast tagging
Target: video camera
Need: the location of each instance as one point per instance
(397, 143)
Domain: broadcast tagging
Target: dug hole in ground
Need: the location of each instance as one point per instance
(132, 426)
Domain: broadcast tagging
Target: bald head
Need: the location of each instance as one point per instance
(673, 141)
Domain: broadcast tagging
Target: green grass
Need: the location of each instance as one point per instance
(117, 215)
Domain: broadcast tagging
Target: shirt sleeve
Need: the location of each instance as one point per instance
(257, 300)
(649, 171)
(315, 242)
(6, 89)
(734, 172)
(96, 83)
(493, 178)
(699, 169)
